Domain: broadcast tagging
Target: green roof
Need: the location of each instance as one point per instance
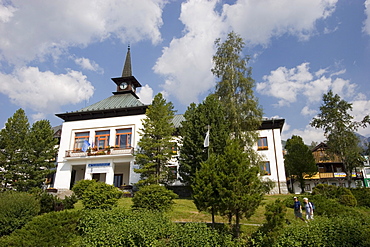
(114, 102)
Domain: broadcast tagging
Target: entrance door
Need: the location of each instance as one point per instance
(96, 177)
(117, 180)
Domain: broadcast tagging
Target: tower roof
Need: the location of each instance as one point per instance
(127, 71)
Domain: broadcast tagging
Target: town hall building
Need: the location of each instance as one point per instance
(98, 141)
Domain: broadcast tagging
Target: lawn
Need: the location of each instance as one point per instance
(184, 210)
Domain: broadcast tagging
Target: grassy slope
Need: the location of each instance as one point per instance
(184, 210)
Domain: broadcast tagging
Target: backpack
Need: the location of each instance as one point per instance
(312, 206)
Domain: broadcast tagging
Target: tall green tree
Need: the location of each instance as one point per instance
(41, 154)
(205, 186)
(13, 148)
(299, 160)
(339, 130)
(198, 118)
(241, 189)
(235, 89)
(155, 146)
(26, 154)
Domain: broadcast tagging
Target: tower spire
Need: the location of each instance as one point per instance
(126, 72)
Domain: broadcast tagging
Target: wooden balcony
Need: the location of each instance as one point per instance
(110, 151)
(321, 175)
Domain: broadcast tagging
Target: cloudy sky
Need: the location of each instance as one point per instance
(58, 56)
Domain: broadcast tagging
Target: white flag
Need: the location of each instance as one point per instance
(206, 140)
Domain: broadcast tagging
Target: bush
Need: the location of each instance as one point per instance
(331, 232)
(16, 209)
(348, 200)
(80, 187)
(100, 195)
(117, 227)
(154, 197)
(362, 196)
(51, 229)
(49, 202)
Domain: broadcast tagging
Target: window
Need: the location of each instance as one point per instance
(80, 138)
(174, 148)
(265, 168)
(173, 172)
(307, 187)
(367, 171)
(117, 180)
(123, 138)
(262, 143)
(102, 139)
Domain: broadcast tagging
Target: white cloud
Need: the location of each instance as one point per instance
(145, 94)
(308, 134)
(306, 111)
(361, 108)
(258, 21)
(87, 64)
(187, 62)
(45, 91)
(366, 27)
(287, 85)
(36, 29)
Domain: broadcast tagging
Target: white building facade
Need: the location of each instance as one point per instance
(98, 141)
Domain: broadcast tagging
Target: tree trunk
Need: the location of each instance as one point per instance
(237, 225)
(213, 218)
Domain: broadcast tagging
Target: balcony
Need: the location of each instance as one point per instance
(109, 151)
(320, 175)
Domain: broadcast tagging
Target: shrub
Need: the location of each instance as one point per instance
(101, 195)
(338, 231)
(80, 187)
(348, 200)
(51, 229)
(117, 227)
(362, 196)
(154, 197)
(16, 209)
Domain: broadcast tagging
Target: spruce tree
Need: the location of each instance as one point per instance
(198, 118)
(299, 160)
(156, 143)
(13, 149)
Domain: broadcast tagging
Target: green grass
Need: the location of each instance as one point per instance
(184, 210)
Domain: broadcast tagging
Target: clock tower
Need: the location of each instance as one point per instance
(127, 83)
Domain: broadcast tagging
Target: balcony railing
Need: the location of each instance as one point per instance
(333, 175)
(111, 151)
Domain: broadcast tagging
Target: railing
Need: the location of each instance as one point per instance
(333, 175)
(111, 151)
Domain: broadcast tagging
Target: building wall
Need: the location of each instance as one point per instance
(65, 165)
(274, 154)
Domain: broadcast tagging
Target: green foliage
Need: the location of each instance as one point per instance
(49, 202)
(341, 194)
(156, 143)
(16, 209)
(192, 151)
(331, 232)
(153, 197)
(51, 229)
(80, 187)
(27, 154)
(362, 196)
(101, 195)
(124, 228)
(235, 89)
(348, 200)
(299, 160)
(196, 234)
(339, 130)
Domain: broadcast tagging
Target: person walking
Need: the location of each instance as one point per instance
(309, 209)
(297, 208)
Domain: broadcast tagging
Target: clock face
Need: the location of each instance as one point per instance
(123, 85)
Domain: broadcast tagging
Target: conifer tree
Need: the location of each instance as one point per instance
(13, 148)
(198, 118)
(299, 160)
(156, 143)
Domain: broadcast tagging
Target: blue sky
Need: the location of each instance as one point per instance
(59, 56)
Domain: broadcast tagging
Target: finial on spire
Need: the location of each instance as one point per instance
(126, 72)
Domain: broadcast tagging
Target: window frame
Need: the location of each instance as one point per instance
(77, 145)
(102, 137)
(266, 166)
(262, 143)
(128, 138)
